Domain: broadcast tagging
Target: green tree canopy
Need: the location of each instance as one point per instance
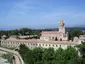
(74, 33)
(50, 56)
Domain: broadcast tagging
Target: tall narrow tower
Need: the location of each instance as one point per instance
(62, 26)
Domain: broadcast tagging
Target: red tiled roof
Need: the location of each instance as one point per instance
(50, 32)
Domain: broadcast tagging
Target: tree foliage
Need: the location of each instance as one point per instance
(49, 56)
(81, 48)
(74, 33)
(22, 31)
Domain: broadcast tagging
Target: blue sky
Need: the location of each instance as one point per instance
(41, 13)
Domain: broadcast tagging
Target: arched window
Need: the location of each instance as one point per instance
(60, 39)
(56, 39)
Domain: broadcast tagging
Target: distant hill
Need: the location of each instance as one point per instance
(68, 28)
(53, 29)
(80, 28)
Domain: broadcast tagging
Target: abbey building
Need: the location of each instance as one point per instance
(60, 35)
(54, 39)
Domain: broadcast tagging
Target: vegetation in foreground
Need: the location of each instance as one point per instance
(48, 56)
(51, 56)
(8, 57)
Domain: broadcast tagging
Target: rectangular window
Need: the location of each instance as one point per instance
(52, 37)
(43, 44)
(46, 44)
(49, 44)
(56, 45)
(39, 44)
(31, 43)
(36, 44)
(28, 43)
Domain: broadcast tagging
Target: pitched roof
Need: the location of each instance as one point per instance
(42, 41)
(50, 32)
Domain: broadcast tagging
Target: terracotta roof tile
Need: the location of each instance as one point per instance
(50, 32)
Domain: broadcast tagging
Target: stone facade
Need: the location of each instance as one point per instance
(54, 39)
(82, 38)
(32, 43)
(60, 35)
(13, 42)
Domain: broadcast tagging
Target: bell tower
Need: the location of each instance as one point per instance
(62, 26)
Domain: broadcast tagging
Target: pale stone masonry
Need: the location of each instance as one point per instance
(32, 43)
(54, 39)
(60, 35)
(82, 38)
